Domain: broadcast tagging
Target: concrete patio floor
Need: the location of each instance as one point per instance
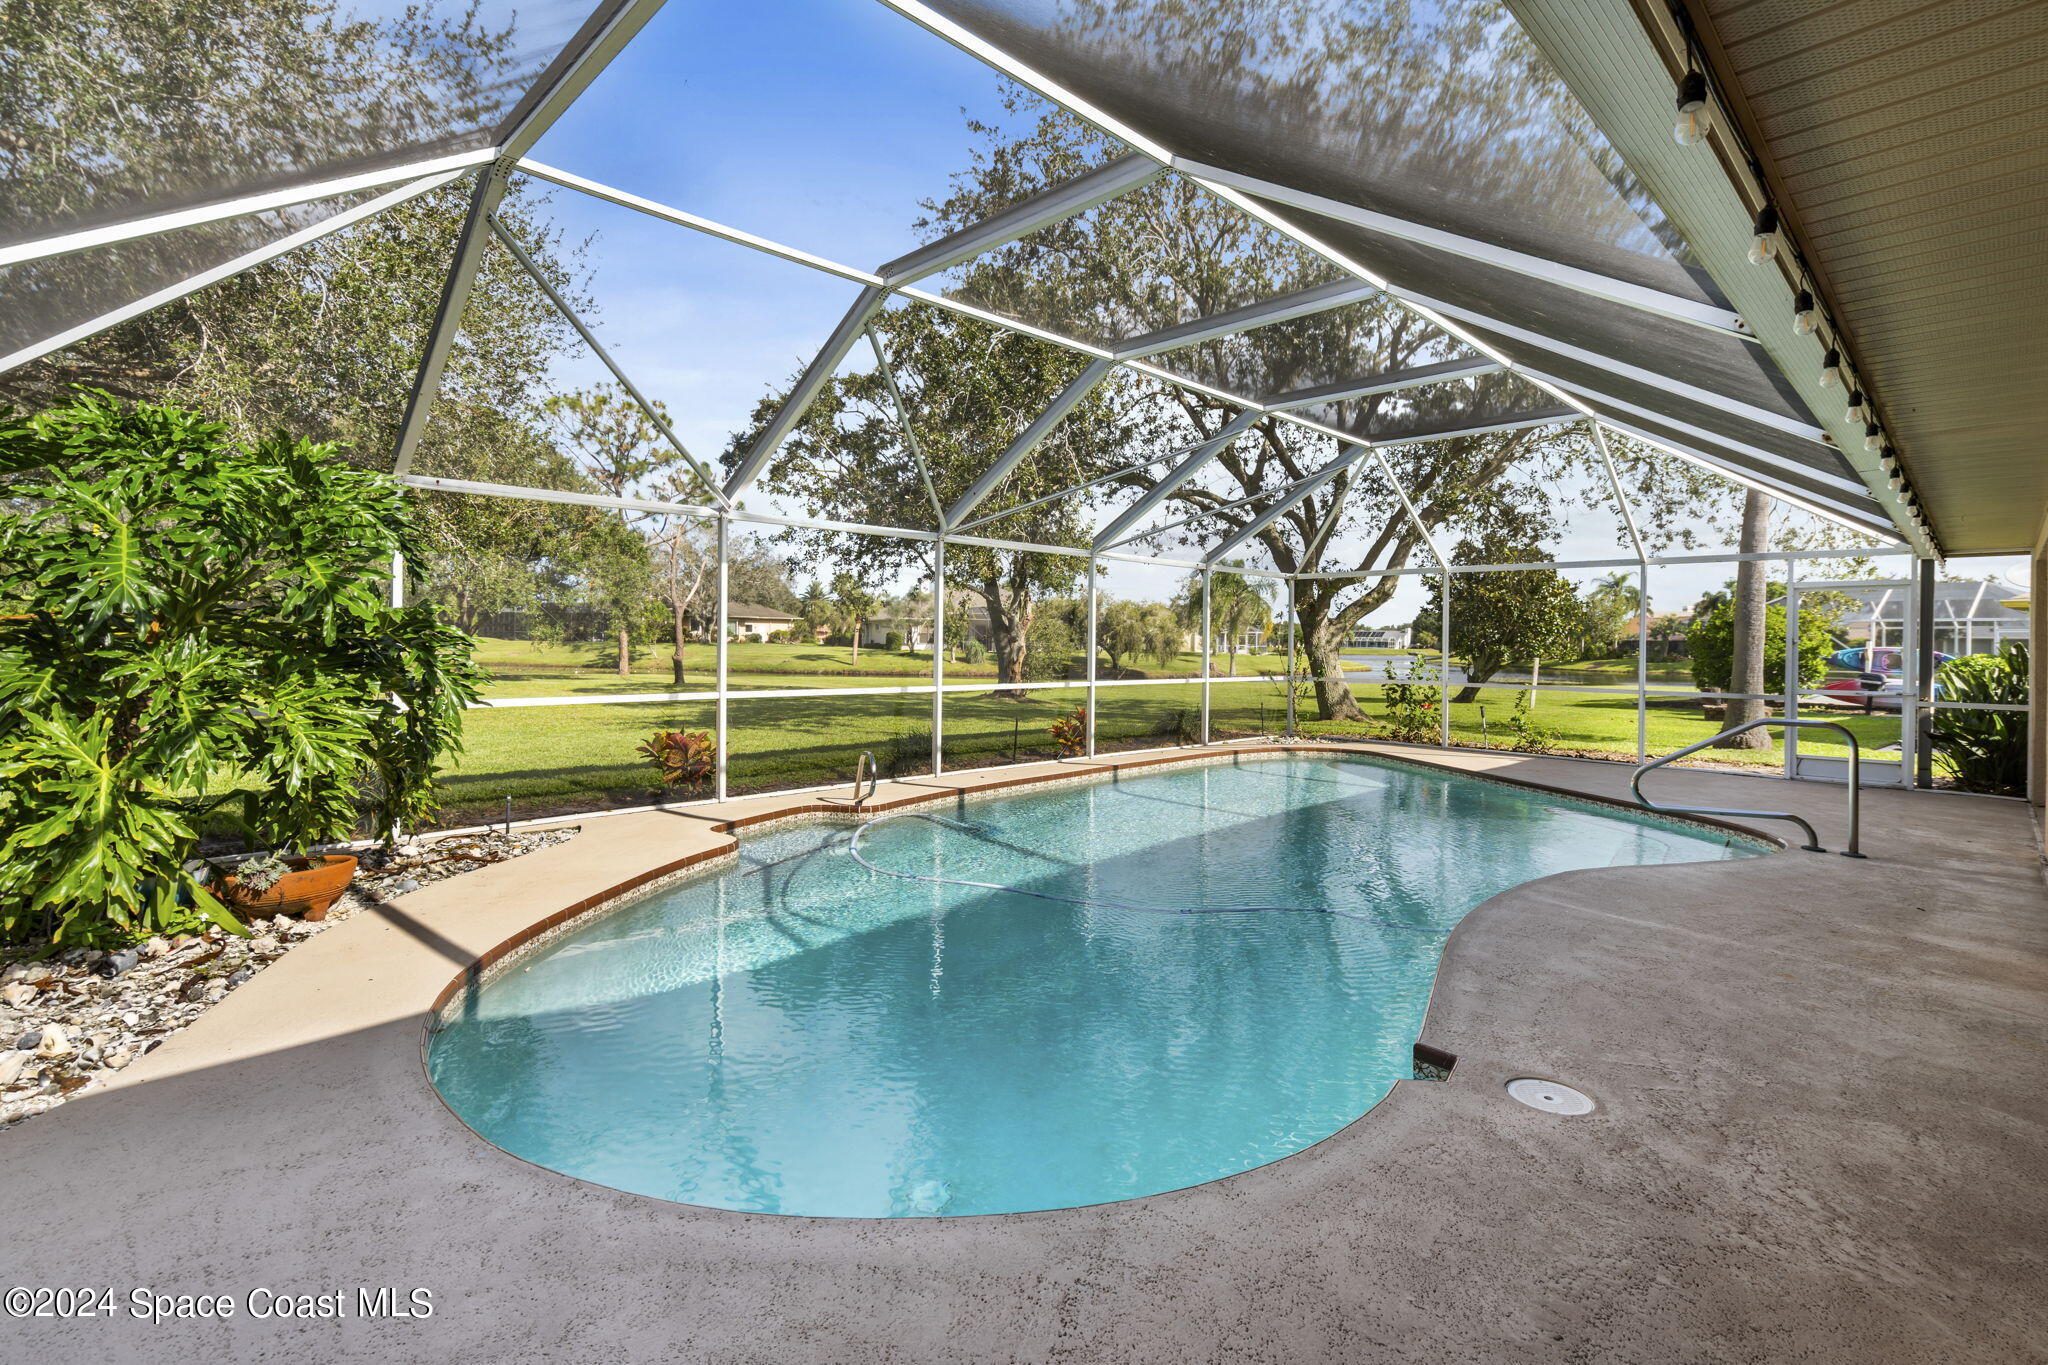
(1821, 1135)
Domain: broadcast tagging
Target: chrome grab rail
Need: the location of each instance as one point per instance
(874, 772)
(1812, 844)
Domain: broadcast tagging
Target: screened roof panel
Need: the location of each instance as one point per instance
(1103, 278)
(1441, 409)
(754, 128)
(1769, 471)
(1444, 115)
(1717, 361)
(1325, 347)
(245, 98)
(1591, 382)
(41, 299)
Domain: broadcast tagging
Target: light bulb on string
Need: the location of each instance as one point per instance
(1859, 407)
(1873, 437)
(1831, 369)
(1693, 119)
(1763, 244)
(1805, 315)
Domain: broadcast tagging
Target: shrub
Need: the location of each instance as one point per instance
(1985, 750)
(186, 616)
(1183, 723)
(1412, 700)
(1049, 648)
(1711, 643)
(1070, 732)
(909, 752)
(893, 641)
(973, 651)
(683, 757)
(1531, 736)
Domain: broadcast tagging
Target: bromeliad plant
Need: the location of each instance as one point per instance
(190, 630)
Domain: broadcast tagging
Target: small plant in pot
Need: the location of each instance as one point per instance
(303, 885)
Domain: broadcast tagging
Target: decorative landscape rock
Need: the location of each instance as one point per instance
(84, 1014)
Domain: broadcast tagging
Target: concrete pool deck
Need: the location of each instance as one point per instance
(1821, 1134)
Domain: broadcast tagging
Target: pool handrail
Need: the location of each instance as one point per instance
(874, 772)
(1812, 844)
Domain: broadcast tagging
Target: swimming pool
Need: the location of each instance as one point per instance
(801, 1033)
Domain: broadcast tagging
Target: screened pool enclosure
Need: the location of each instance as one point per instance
(1055, 334)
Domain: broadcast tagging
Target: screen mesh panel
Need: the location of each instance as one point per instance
(1488, 400)
(1322, 348)
(40, 299)
(1101, 278)
(1826, 494)
(1590, 382)
(1444, 115)
(242, 98)
(1720, 362)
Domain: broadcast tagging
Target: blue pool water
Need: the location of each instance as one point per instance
(800, 1034)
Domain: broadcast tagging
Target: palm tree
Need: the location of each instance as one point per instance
(853, 602)
(1237, 605)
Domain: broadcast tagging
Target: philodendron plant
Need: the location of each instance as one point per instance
(191, 628)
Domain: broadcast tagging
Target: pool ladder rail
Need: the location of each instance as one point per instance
(1812, 844)
(866, 762)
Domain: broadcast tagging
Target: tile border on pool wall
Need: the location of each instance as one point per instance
(499, 958)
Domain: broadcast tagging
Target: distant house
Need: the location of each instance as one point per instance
(752, 621)
(917, 634)
(1970, 617)
(1381, 637)
(1667, 631)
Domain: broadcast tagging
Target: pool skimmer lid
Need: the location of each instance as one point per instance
(1549, 1096)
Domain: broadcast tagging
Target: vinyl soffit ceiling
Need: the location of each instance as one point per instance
(1898, 140)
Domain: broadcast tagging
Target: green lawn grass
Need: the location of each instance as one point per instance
(1623, 668)
(561, 759)
(522, 668)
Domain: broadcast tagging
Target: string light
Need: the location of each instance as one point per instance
(1693, 119)
(1805, 316)
(1831, 369)
(1873, 437)
(1763, 246)
(1859, 407)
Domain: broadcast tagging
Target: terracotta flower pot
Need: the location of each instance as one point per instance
(306, 891)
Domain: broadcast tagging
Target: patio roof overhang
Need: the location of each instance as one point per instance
(1896, 143)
